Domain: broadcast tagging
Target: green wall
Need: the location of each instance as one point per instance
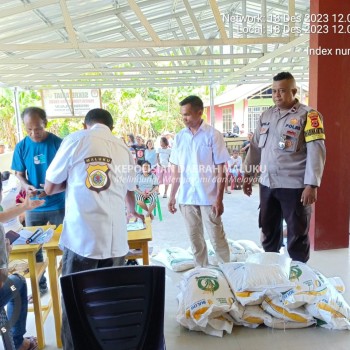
(260, 102)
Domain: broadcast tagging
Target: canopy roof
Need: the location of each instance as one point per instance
(150, 43)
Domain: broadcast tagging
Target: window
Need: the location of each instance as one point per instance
(226, 119)
(254, 114)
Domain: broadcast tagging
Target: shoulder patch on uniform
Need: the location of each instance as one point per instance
(314, 127)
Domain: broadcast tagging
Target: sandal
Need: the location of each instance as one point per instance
(33, 343)
(228, 192)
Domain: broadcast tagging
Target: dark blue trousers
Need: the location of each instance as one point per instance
(277, 204)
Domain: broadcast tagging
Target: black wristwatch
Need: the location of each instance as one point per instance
(313, 186)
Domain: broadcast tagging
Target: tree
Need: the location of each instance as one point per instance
(8, 131)
(145, 111)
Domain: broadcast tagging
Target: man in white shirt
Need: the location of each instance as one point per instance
(96, 170)
(198, 157)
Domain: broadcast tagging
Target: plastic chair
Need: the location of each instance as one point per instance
(117, 308)
(5, 331)
(157, 208)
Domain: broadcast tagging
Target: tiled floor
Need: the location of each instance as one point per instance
(240, 221)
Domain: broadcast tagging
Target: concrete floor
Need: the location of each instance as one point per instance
(240, 222)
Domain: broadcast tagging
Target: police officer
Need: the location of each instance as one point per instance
(288, 144)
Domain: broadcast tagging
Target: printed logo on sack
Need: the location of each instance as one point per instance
(97, 175)
(208, 283)
(295, 273)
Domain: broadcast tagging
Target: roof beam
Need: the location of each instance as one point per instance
(26, 7)
(184, 32)
(159, 76)
(125, 59)
(193, 19)
(196, 25)
(113, 59)
(108, 13)
(39, 70)
(291, 13)
(88, 85)
(141, 44)
(218, 19)
(42, 70)
(145, 84)
(108, 82)
(68, 24)
(144, 21)
(256, 75)
(300, 40)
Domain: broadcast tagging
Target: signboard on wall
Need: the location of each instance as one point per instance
(70, 102)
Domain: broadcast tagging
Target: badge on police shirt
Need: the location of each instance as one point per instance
(314, 127)
(97, 178)
(282, 142)
(288, 143)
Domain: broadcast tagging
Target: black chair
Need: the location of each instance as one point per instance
(117, 308)
(5, 331)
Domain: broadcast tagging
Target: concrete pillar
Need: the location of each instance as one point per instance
(329, 94)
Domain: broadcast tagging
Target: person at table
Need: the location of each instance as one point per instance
(98, 171)
(31, 158)
(12, 285)
(235, 171)
(146, 189)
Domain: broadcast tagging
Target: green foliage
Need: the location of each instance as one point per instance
(145, 111)
(64, 126)
(8, 130)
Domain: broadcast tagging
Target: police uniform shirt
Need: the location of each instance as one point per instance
(99, 169)
(289, 146)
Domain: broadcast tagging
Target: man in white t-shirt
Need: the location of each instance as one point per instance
(96, 170)
(198, 157)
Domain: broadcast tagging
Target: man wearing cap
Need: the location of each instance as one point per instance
(288, 144)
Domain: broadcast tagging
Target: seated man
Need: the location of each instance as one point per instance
(11, 286)
(146, 189)
(235, 170)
